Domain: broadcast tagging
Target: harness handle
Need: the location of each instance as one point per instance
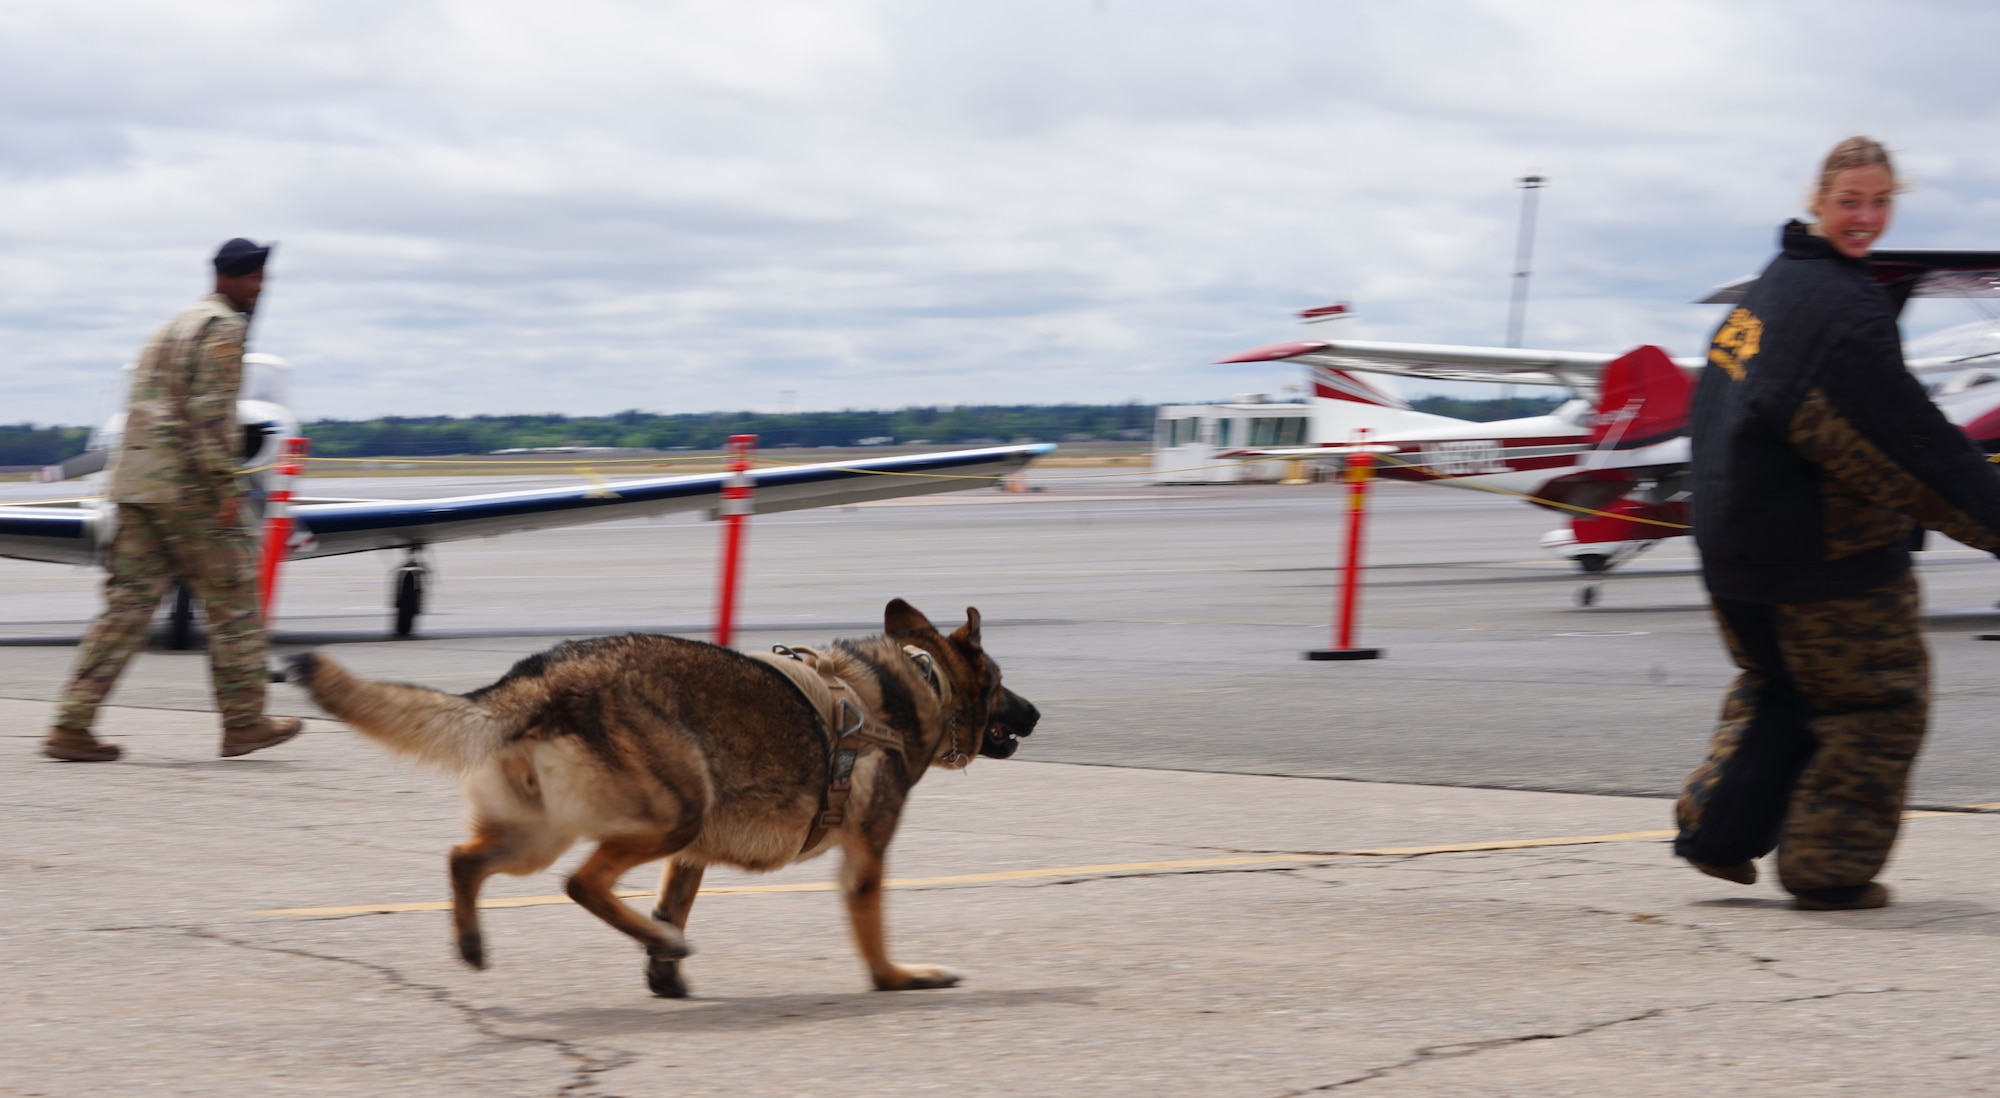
(926, 666)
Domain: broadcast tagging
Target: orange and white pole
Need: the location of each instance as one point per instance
(278, 521)
(1360, 470)
(735, 511)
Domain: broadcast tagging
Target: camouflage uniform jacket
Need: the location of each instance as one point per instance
(1816, 454)
(180, 443)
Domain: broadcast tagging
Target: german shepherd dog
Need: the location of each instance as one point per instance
(660, 747)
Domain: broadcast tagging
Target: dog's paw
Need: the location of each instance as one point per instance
(663, 976)
(917, 978)
(472, 948)
(672, 946)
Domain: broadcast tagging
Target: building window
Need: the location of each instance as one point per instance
(1176, 432)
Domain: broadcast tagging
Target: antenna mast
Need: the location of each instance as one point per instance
(1524, 254)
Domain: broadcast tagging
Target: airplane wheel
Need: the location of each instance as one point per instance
(1593, 563)
(180, 621)
(1587, 596)
(409, 598)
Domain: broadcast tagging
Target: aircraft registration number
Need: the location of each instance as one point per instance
(1459, 457)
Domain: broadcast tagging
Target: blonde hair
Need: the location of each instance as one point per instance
(1855, 152)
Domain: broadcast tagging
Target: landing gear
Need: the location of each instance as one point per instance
(410, 581)
(1596, 565)
(1594, 558)
(180, 620)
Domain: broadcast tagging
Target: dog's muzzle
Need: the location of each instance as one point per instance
(1014, 717)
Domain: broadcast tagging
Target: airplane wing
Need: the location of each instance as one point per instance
(58, 535)
(351, 527)
(68, 534)
(1904, 274)
(1576, 370)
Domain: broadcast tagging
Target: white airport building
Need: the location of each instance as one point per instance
(1187, 438)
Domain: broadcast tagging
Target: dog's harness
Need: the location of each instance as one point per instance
(851, 729)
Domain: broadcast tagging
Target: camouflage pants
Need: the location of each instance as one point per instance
(153, 546)
(1817, 737)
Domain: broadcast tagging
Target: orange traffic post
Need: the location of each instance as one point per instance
(278, 522)
(1360, 470)
(735, 510)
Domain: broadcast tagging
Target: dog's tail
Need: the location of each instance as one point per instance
(445, 730)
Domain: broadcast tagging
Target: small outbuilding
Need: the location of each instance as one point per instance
(1187, 438)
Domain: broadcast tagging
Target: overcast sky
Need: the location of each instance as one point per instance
(495, 206)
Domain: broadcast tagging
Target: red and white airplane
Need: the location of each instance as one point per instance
(1614, 459)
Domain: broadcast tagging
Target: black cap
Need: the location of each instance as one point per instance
(241, 257)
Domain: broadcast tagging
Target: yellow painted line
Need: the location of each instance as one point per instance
(1106, 870)
(1514, 844)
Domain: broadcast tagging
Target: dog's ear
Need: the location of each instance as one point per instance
(901, 617)
(969, 632)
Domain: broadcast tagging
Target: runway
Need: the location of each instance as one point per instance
(1157, 627)
(1166, 919)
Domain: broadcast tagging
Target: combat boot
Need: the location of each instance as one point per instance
(269, 732)
(1743, 873)
(1873, 896)
(79, 746)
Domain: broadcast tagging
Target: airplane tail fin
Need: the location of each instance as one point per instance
(1345, 401)
(1642, 400)
(1332, 384)
(82, 465)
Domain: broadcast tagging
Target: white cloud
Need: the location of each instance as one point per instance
(493, 207)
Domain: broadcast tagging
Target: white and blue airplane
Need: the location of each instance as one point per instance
(76, 530)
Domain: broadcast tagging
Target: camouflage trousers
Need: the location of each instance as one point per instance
(1817, 737)
(154, 545)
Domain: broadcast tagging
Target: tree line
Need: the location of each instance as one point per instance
(417, 436)
(428, 436)
(27, 444)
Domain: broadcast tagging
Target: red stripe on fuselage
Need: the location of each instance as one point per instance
(1390, 469)
(1418, 445)
(1327, 392)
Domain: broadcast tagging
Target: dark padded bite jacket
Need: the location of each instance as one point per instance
(1816, 454)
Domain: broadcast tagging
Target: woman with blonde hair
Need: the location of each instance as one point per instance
(1817, 459)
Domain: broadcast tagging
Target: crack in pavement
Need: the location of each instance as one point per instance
(1709, 939)
(1460, 1049)
(1712, 940)
(587, 1065)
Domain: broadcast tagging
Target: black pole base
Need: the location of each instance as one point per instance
(1344, 654)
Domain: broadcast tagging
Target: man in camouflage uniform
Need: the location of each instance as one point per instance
(178, 508)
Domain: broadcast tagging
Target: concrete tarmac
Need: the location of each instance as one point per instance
(1162, 893)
